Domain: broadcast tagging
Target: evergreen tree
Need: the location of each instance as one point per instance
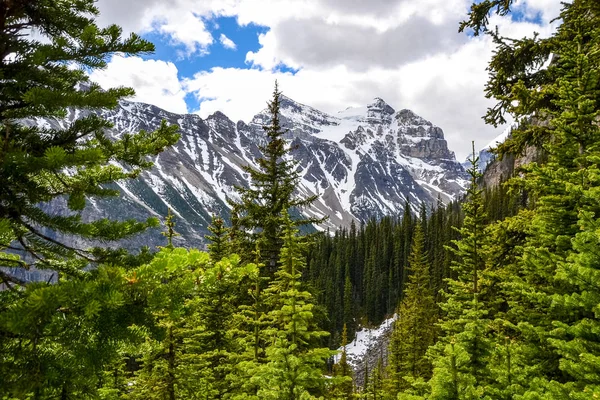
(210, 341)
(573, 166)
(344, 389)
(509, 357)
(349, 314)
(170, 233)
(557, 110)
(294, 362)
(166, 284)
(271, 191)
(464, 325)
(219, 246)
(407, 230)
(251, 322)
(73, 161)
(56, 341)
(414, 328)
(373, 389)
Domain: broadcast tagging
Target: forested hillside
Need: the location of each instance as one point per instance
(496, 295)
(360, 273)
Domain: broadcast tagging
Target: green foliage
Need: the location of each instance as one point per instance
(271, 193)
(374, 385)
(344, 388)
(166, 285)
(414, 329)
(364, 271)
(526, 321)
(170, 229)
(73, 162)
(518, 266)
(294, 363)
(192, 349)
(573, 167)
(480, 11)
(55, 340)
(463, 351)
(219, 245)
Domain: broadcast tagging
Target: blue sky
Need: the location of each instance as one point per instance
(330, 54)
(245, 39)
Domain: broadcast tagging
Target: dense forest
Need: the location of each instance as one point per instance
(497, 295)
(359, 274)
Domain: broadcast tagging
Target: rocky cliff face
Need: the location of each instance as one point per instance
(361, 163)
(496, 171)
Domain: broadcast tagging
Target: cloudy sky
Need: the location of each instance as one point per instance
(331, 54)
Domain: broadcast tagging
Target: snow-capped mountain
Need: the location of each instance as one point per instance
(362, 163)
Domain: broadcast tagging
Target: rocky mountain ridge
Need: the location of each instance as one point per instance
(362, 163)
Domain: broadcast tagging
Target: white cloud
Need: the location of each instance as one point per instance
(346, 52)
(315, 42)
(451, 96)
(547, 9)
(154, 81)
(226, 42)
(187, 29)
(182, 21)
(267, 56)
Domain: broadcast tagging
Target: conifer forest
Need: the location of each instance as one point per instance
(496, 294)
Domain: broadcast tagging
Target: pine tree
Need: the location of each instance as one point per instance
(166, 284)
(219, 246)
(344, 389)
(464, 325)
(271, 191)
(212, 349)
(349, 314)
(573, 164)
(557, 110)
(170, 233)
(373, 389)
(56, 341)
(509, 357)
(407, 230)
(414, 328)
(249, 330)
(294, 362)
(66, 162)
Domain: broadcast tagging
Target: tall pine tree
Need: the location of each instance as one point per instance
(557, 109)
(271, 191)
(414, 328)
(463, 350)
(64, 161)
(294, 361)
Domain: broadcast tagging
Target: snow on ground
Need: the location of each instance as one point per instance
(365, 339)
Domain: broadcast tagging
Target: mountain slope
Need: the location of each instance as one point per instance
(362, 163)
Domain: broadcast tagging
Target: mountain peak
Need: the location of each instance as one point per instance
(379, 103)
(409, 117)
(217, 115)
(361, 164)
(286, 102)
(379, 111)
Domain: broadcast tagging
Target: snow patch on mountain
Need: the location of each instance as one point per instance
(361, 163)
(367, 340)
